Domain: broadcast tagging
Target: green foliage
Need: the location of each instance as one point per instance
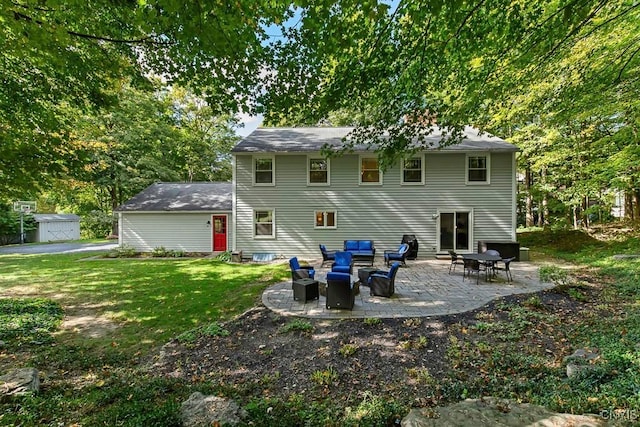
(122, 251)
(297, 325)
(371, 321)
(224, 256)
(10, 225)
(28, 321)
(96, 224)
(348, 350)
(325, 377)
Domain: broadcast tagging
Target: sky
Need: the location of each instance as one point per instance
(250, 124)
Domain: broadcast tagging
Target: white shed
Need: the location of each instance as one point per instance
(56, 227)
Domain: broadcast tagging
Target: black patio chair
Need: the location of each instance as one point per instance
(327, 256)
(506, 268)
(455, 260)
(472, 266)
(340, 291)
(382, 283)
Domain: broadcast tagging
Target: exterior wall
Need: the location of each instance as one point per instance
(382, 213)
(187, 232)
(53, 231)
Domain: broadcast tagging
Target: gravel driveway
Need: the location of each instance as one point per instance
(57, 248)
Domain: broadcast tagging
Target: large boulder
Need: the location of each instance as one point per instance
(200, 411)
(20, 381)
(494, 412)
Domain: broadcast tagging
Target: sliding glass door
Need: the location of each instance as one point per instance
(455, 231)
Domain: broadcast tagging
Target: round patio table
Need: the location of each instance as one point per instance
(487, 259)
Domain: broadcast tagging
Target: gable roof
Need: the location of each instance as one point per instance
(181, 197)
(55, 217)
(312, 139)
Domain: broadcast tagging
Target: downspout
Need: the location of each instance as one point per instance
(233, 203)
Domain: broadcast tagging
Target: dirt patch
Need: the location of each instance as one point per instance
(344, 360)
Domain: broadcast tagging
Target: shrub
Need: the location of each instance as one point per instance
(96, 225)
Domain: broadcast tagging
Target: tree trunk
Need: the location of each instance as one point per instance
(545, 200)
(574, 210)
(529, 220)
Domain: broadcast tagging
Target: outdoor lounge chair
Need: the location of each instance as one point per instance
(382, 283)
(340, 291)
(300, 272)
(343, 263)
(399, 255)
(455, 260)
(327, 255)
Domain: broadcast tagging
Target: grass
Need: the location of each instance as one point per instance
(95, 379)
(513, 352)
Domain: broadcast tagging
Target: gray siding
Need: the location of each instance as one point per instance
(379, 212)
(176, 231)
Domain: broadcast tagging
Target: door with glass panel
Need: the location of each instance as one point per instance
(455, 233)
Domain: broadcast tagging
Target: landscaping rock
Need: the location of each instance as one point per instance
(19, 382)
(495, 412)
(581, 360)
(200, 410)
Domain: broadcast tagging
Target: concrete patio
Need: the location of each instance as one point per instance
(422, 288)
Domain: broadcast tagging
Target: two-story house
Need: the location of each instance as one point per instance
(288, 198)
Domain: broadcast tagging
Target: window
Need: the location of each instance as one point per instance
(325, 219)
(369, 171)
(477, 169)
(318, 171)
(412, 171)
(263, 171)
(264, 224)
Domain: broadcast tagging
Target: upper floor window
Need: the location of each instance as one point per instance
(264, 224)
(318, 171)
(325, 219)
(413, 170)
(477, 169)
(370, 171)
(264, 171)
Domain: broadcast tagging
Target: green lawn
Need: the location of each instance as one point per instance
(99, 381)
(148, 301)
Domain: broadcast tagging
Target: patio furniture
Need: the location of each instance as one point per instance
(340, 291)
(455, 260)
(327, 255)
(300, 271)
(361, 250)
(382, 283)
(483, 260)
(506, 268)
(492, 264)
(471, 266)
(399, 255)
(364, 273)
(305, 290)
(343, 263)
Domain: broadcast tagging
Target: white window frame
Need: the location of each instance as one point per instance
(273, 170)
(324, 215)
(422, 172)
(273, 224)
(487, 157)
(327, 161)
(360, 171)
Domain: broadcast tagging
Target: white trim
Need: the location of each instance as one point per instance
(318, 184)
(324, 212)
(234, 204)
(454, 211)
(422, 170)
(362, 157)
(487, 157)
(273, 170)
(273, 224)
(514, 198)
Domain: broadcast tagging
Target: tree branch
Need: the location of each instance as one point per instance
(627, 62)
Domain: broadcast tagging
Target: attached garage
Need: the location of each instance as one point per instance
(56, 227)
(190, 217)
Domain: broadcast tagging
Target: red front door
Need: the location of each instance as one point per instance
(220, 233)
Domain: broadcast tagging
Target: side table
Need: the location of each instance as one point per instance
(305, 290)
(364, 273)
